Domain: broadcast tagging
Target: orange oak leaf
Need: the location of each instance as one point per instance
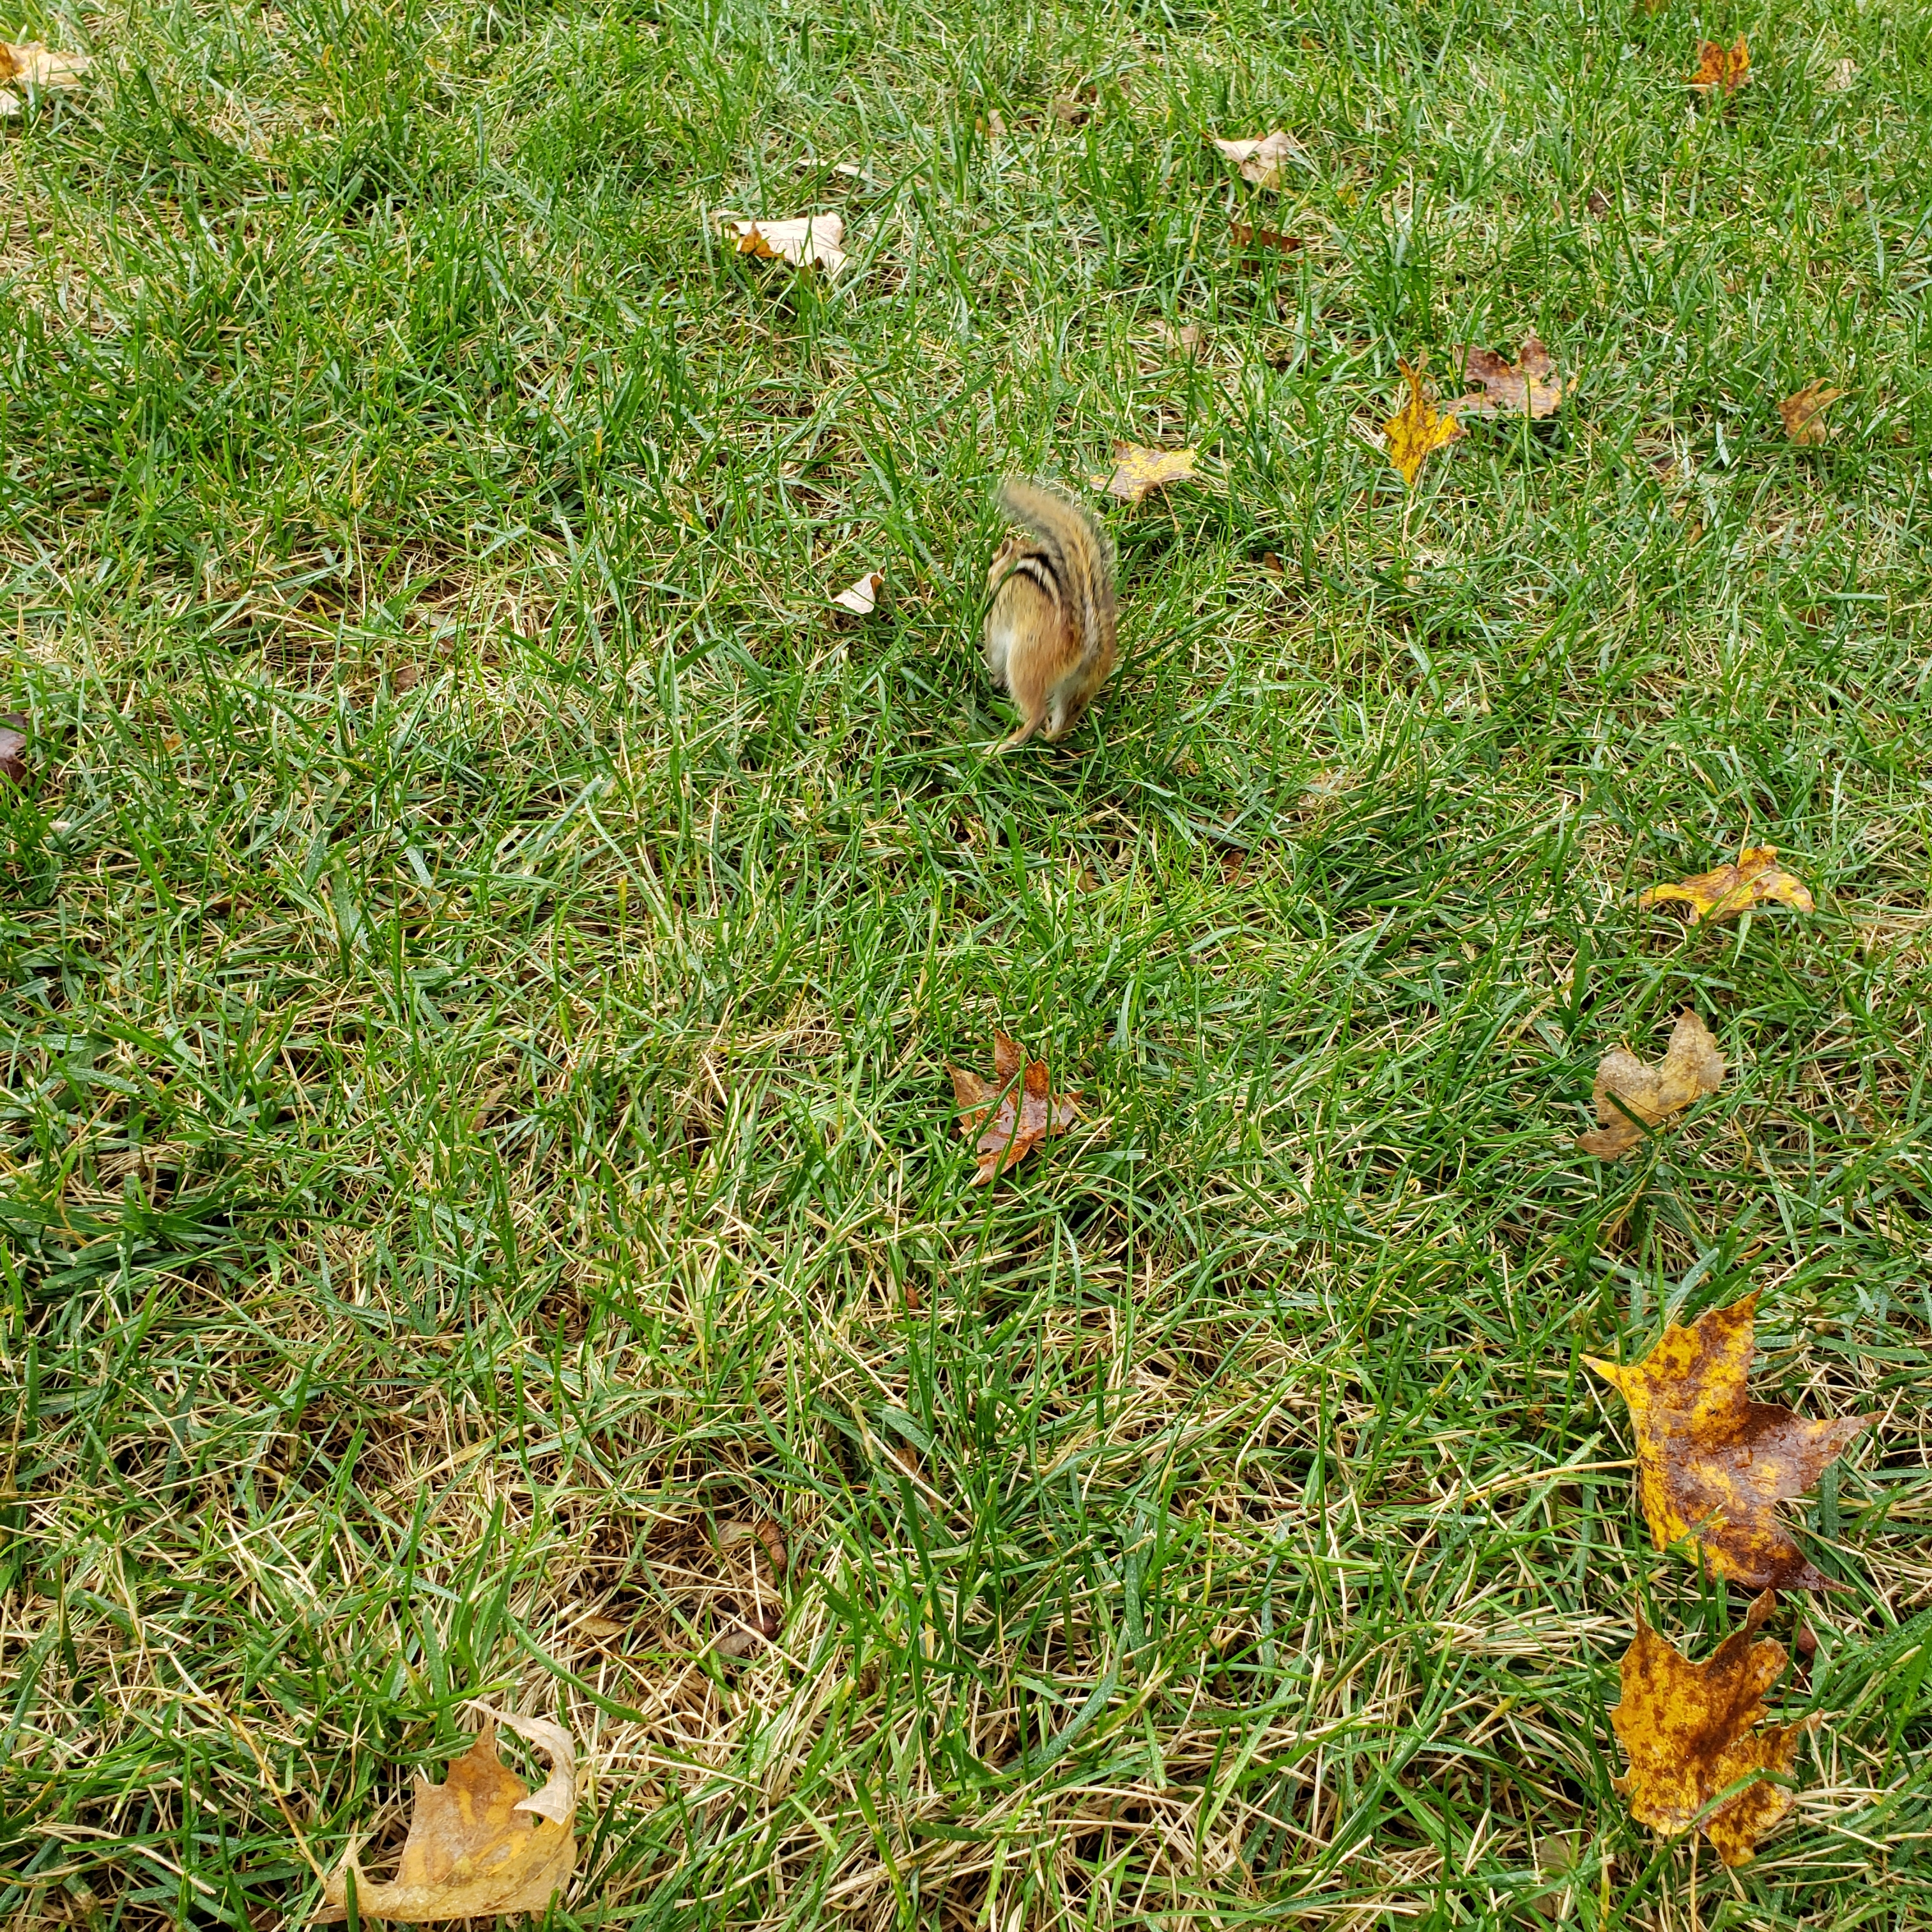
(1686, 1728)
(480, 1843)
(1529, 386)
(1731, 889)
(1711, 1463)
(1627, 1087)
(1718, 67)
(1416, 428)
(1261, 160)
(1137, 471)
(1804, 413)
(1017, 1108)
(805, 241)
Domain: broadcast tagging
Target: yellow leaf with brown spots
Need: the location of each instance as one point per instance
(1631, 1094)
(1712, 1465)
(1755, 878)
(1724, 68)
(1687, 1729)
(1804, 413)
(1416, 428)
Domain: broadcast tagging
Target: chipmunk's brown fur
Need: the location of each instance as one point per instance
(1050, 630)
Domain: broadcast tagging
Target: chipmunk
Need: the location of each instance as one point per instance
(1050, 632)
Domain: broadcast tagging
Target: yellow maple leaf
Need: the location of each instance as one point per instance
(1416, 428)
(1711, 1463)
(1686, 1728)
(1754, 878)
(1137, 471)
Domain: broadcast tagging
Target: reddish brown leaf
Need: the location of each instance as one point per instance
(1711, 1463)
(14, 747)
(1527, 387)
(1721, 68)
(1017, 1107)
(1248, 236)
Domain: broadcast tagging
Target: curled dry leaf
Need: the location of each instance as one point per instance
(1261, 160)
(1732, 889)
(860, 597)
(1017, 1108)
(1804, 413)
(481, 1842)
(1137, 471)
(1691, 1067)
(1711, 1463)
(1247, 235)
(1529, 386)
(1687, 1729)
(1844, 76)
(749, 1624)
(805, 241)
(14, 747)
(1071, 111)
(1722, 68)
(36, 65)
(1416, 428)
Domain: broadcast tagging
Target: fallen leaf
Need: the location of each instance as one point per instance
(1598, 203)
(1017, 1108)
(1729, 890)
(1691, 1067)
(37, 66)
(14, 747)
(1137, 471)
(994, 125)
(1261, 160)
(1070, 113)
(1530, 386)
(1728, 68)
(1711, 1463)
(1246, 235)
(1188, 338)
(479, 1843)
(1804, 413)
(1686, 1728)
(804, 241)
(1844, 73)
(1416, 428)
(861, 596)
(750, 1626)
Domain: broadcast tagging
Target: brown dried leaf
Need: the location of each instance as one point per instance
(1261, 160)
(36, 65)
(1070, 112)
(1247, 235)
(1416, 429)
(1727, 68)
(861, 596)
(1804, 413)
(1017, 1108)
(1731, 889)
(1529, 386)
(1137, 471)
(805, 241)
(481, 1842)
(1711, 1464)
(14, 747)
(1691, 1067)
(1687, 1729)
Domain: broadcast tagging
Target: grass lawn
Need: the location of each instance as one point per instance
(483, 942)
